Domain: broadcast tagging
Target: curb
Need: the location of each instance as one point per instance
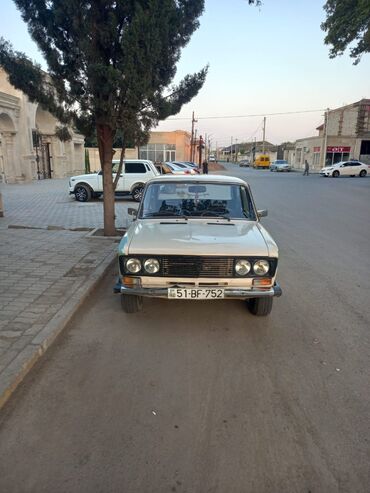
(16, 371)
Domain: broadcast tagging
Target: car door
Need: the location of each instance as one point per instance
(135, 172)
(120, 184)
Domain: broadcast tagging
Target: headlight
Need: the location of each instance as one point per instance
(242, 267)
(133, 265)
(261, 267)
(151, 265)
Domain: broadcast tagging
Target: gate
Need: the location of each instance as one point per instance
(43, 156)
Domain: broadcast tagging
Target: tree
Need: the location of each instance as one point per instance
(348, 21)
(110, 68)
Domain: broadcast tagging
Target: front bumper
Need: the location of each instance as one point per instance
(232, 292)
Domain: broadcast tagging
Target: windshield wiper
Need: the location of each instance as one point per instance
(166, 214)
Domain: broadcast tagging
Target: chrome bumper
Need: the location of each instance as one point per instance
(229, 292)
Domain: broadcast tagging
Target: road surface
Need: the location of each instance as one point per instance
(202, 397)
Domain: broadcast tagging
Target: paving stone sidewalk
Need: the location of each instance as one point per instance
(43, 273)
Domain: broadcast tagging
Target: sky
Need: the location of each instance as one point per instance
(262, 60)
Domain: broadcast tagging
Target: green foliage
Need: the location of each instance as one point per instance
(87, 162)
(347, 23)
(109, 62)
(63, 133)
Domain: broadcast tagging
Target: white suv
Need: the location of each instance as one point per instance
(346, 168)
(135, 173)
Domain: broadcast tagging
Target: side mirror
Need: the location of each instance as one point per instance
(132, 212)
(262, 213)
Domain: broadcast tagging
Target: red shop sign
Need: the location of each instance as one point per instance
(338, 149)
(316, 149)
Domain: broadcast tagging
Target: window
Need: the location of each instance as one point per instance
(195, 200)
(135, 168)
(158, 152)
(316, 158)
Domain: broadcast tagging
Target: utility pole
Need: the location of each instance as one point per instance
(216, 151)
(200, 150)
(325, 143)
(264, 135)
(192, 143)
(236, 150)
(231, 149)
(205, 146)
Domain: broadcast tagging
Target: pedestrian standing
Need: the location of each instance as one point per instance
(205, 167)
(306, 168)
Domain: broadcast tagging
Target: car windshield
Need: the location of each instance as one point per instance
(197, 200)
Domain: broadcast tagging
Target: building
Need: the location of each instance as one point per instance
(345, 134)
(162, 147)
(29, 148)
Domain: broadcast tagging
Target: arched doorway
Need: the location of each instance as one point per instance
(7, 134)
(42, 138)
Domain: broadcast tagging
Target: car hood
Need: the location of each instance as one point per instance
(197, 237)
(83, 177)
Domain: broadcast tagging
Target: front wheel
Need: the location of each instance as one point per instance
(260, 306)
(335, 174)
(131, 303)
(82, 193)
(363, 173)
(137, 193)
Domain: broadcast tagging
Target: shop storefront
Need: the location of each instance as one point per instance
(335, 154)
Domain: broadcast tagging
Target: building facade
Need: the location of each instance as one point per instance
(162, 147)
(29, 148)
(345, 134)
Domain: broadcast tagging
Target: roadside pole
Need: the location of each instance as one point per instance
(264, 135)
(192, 142)
(323, 154)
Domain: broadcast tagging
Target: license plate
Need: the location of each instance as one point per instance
(196, 293)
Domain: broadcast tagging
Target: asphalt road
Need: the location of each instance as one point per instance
(202, 396)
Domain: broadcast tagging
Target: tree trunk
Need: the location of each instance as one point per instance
(105, 142)
(119, 171)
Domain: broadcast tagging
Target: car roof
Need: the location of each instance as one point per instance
(133, 161)
(199, 179)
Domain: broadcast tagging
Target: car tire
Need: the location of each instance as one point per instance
(82, 193)
(363, 173)
(335, 174)
(131, 303)
(137, 193)
(261, 307)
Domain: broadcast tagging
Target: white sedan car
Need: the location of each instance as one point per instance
(198, 238)
(346, 168)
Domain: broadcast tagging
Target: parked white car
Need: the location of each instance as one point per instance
(182, 169)
(346, 168)
(135, 173)
(197, 238)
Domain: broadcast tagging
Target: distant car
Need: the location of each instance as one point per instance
(280, 165)
(135, 173)
(163, 169)
(181, 169)
(211, 159)
(346, 168)
(244, 163)
(188, 164)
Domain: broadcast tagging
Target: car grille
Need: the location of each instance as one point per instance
(174, 266)
(196, 266)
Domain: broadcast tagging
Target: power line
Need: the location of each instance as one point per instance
(248, 116)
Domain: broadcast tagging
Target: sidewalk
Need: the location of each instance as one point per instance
(45, 273)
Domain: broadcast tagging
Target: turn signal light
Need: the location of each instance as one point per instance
(264, 282)
(131, 282)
